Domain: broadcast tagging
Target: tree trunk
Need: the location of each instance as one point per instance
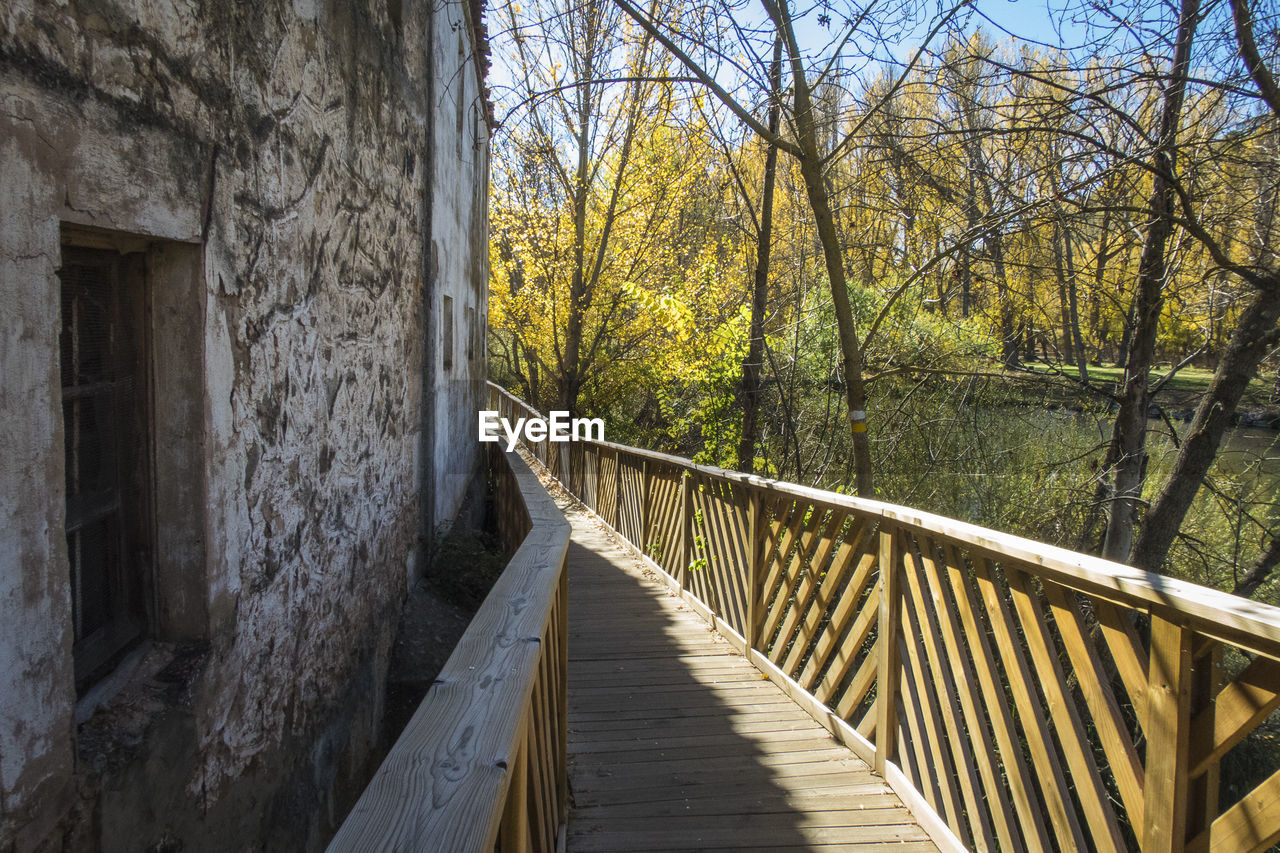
(819, 195)
(1254, 337)
(1261, 570)
(1131, 421)
(570, 378)
(759, 290)
(1099, 280)
(1073, 300)
(1068, 349)
(850, 350)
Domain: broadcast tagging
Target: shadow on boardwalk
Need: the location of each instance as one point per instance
(677, 743)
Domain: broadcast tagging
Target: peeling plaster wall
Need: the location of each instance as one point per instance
(459, 235)
(310, 157)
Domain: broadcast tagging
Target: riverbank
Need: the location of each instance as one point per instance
(1177, 399)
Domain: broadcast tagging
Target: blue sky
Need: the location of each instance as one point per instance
(1027, 20)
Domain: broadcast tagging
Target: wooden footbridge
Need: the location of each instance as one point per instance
(707, 660)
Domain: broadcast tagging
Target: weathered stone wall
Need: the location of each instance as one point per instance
(307, 163)
(459, 214)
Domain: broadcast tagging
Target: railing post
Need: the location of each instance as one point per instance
(1167, 728)
(686, 527)
(755, 558)
(595, 479)
(513, 837)
(1206, 682)
(617, 491)
(643, 544)
(562, 689)
(887, 649)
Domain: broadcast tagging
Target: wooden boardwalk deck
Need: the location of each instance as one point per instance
(677, 743)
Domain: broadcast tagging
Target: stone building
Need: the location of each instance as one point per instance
(243, 259)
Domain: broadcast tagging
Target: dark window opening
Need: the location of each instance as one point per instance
(446, 345)
(105, 438)
(473, 338)
(462, 91)
(479, 132)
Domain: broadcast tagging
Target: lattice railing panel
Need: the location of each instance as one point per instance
(663, 541)
(1033, 698)
(631, 497)
(720, 547)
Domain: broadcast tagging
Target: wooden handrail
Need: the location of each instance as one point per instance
(1016, 695)
(482, 763)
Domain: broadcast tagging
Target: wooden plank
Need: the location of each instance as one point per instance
(736, 519)
(986, 677)
(1248, 624)
(584, 694)
(785, 600)
(1238, 709)
(867, 725)
(741, 836)
(1039, 739)
(953, 651)
(772, 718)
(1062, 710)
(646, 498)
(616, 503)
(537, 749)
(589, 669)
(458, 749)
(815, 846)
(724, 529)
(782, 565)
(660, 761)
(842, 783)
(799, 738)
(946, 756)
(914, 750)
(829, 645)
(822, 799)
(1204, 791)
(1250, 826)
(686, 530)
(792, 774)
(825, 603)
(944, 690)
(837, 727)
(562, 695)
(1105, 711)
(547, 786)
(889, 613)
(929, 819)
(790, 645)
(732, 747)
(710, 709)
(859, 687)
(1168, 729)
(777, 541)
(755, 573)
(513, 836)
(1127, 652)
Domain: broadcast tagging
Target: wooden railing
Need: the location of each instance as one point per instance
(482, 763)
(1017, 696)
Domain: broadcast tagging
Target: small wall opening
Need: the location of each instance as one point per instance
(446, 343)
(132, 386)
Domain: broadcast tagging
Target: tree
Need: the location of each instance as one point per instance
(1130, 430)
(1256, 333)
(804, 145)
